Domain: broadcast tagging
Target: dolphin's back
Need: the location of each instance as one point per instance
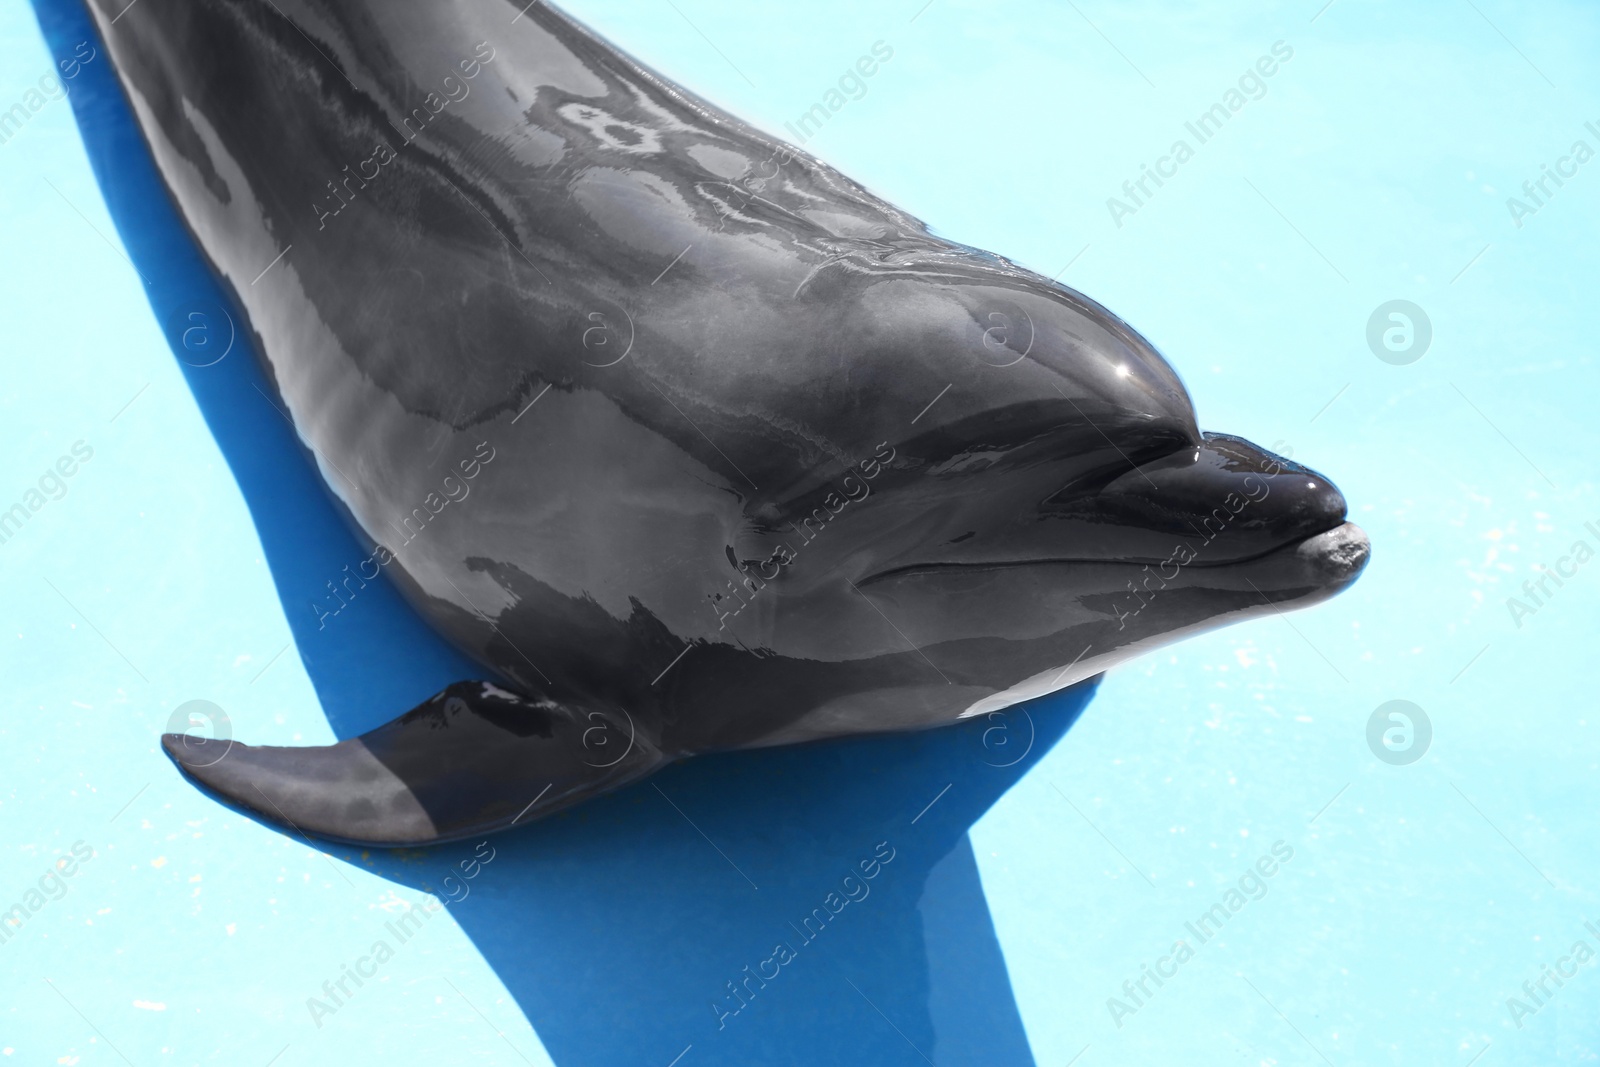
(434, 214)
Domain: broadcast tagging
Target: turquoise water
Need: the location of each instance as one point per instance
(1374, 164)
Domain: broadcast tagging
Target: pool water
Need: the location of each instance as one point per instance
(1317, 212)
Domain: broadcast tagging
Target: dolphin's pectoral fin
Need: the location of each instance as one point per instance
(470, 759)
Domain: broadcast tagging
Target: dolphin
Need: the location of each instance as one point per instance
(689, 440)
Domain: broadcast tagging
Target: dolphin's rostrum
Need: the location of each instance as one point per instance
(758, 458)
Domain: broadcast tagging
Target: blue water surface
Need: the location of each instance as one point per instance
(1038, 878)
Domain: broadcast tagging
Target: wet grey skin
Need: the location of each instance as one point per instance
(737, 453)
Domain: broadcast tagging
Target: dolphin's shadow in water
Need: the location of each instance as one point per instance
(617, 926)
(372, 659)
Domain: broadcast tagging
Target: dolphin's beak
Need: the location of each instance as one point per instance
(1300, 573)
(1218, 532)
(1227, 497)
(1218, 501)
(1338, 555)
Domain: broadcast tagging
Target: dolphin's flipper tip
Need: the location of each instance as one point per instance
(469, 760)
(338, 791)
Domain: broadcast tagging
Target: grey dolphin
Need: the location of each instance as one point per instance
(636, 405)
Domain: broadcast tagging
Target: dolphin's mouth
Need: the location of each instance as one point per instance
(1052, 623)
(1217, 504)
(1338, 555)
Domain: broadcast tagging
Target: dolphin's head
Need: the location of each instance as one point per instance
(1032, 500)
